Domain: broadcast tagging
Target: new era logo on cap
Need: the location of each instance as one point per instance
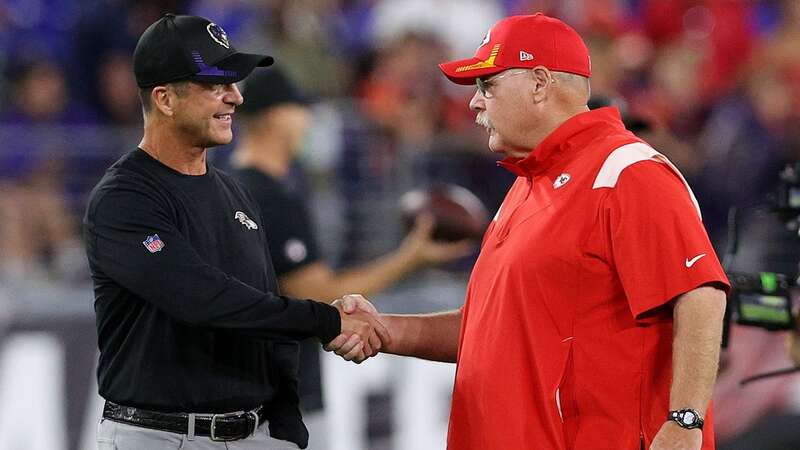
(523, 42)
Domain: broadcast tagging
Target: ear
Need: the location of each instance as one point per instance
(163, 99)
(542, 81)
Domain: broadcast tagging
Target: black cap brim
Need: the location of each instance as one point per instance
(232, 69)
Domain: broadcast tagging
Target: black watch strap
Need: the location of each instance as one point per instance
(686, 418)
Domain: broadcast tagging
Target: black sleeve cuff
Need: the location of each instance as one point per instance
(329, 322)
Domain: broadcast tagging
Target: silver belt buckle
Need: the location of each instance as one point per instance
(214, 425)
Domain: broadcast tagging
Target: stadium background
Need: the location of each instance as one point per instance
(713, 84)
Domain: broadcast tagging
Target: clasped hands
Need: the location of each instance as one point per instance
(363, 334)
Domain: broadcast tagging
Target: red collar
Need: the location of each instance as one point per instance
(570, 136)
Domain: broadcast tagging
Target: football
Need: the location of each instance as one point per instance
(457, 212)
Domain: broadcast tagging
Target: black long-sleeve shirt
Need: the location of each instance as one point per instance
(188, 313)
(292, 244)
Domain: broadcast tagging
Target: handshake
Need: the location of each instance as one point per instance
(363, 332)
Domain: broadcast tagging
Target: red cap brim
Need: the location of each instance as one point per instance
(465, 71)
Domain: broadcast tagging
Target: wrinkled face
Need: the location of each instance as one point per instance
(204, 112)
(502, 107)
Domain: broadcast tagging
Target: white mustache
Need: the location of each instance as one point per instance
(482, 120)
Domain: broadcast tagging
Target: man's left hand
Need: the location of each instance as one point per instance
(672, 437)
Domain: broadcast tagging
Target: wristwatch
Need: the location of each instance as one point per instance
(686, 418)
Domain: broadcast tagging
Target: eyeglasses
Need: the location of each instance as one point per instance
(485, 83)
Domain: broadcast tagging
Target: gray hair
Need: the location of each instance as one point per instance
(574, 81)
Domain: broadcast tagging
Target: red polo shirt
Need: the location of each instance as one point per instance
(566, 339)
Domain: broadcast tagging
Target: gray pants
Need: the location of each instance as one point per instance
(318, 435)
(121, 436)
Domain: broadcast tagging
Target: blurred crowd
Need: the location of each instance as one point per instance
(713, 84)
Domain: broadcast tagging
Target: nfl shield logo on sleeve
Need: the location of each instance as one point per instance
(153, 243)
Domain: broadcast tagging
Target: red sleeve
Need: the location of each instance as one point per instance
(658, 243)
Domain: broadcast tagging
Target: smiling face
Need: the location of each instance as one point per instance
(203, 113)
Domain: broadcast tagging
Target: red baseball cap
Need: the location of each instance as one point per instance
(523, 42)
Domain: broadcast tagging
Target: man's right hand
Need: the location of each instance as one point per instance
(362, 334)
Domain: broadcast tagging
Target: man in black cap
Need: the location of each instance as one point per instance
(275, 120)
(196, 345)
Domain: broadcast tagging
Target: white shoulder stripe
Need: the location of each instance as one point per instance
(629, 154)
(620, 159)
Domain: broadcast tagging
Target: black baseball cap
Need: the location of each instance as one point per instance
(178, 47)
(268, 88)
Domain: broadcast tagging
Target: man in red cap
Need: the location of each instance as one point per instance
(594, 313)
